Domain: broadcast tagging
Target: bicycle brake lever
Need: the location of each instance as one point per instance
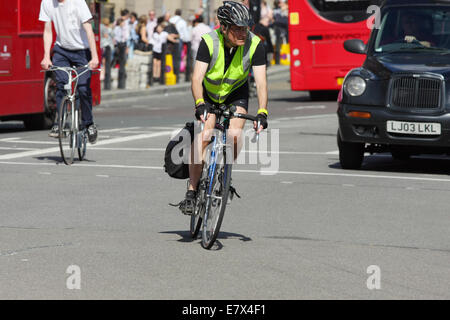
(256, 136)
(205, 114)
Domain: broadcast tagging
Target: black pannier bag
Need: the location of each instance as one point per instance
(175, 159)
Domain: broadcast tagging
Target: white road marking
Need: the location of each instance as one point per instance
(308, 107)
(30, 141)
(141, 131)
(102, 142)
(13, 148)
(245, 151)
(126, 149)
(330, 174)
(328, 115)
(118, 129)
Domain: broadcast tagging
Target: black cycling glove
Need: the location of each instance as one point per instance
(200, 110)
(262, 118)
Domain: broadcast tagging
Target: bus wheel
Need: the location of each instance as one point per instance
(44, 120)
(351, 154)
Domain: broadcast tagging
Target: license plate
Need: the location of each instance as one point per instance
(422, 128)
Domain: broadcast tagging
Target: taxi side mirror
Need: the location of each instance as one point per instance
(355, 46)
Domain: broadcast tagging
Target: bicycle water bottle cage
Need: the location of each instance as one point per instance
(67, 87)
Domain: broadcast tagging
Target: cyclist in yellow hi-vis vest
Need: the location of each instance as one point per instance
(220, 76)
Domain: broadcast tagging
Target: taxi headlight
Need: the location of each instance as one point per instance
(355, 86)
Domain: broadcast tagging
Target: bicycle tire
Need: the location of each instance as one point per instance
(82, 144)
(67, 131)
(212, 222)
(199, 211)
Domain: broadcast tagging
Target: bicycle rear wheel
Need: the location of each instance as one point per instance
(216, 204)
(67, 131)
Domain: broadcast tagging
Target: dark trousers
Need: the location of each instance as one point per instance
(107, 66)
(122, 59)
(177, 58)
(77, 58)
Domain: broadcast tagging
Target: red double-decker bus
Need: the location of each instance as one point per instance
(26, 93)
(317, 31)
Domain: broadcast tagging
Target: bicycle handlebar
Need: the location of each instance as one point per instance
(70, 69)
(245, 116)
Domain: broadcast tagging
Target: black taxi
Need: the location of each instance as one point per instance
(399, 100)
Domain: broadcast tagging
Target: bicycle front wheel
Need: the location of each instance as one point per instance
(200, 204)
(216, 203)
(81, 140)
(67, 131)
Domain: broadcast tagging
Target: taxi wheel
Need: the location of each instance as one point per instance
(351, 154)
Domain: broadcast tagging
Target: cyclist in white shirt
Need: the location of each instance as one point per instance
(74, 46)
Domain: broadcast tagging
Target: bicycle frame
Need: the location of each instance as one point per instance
(226, 113)
(217, 144)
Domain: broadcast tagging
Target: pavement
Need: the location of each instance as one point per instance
(157, 89)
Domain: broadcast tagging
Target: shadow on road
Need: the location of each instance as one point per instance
(424, 164)
(186, 237)
(59, 160)
(11, 127)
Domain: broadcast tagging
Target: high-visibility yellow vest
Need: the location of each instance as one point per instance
(218, 83)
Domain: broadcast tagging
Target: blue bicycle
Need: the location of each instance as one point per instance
(214, 190)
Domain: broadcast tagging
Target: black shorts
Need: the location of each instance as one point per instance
(157, 55)
(238, 98)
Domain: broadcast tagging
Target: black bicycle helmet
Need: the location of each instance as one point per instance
(234, 13)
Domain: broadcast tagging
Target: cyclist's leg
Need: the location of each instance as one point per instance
(81, 58)
(60, 59)
(198, 147)
(235, 136)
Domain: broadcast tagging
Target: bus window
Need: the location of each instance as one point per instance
(343, 11)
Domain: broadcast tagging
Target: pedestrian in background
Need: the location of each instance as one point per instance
(151, 23)
(121, 34)
(181, 27)
(159, 38)
(266, 12)
(106, 44)
(172, 41)
(280, 25)
(143, 43)
(200, 28)
(133, 37)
